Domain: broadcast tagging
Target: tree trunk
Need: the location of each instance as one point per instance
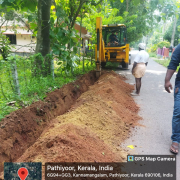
(174, 31)
(127, 5)
(39, 38)
(43, 40)
(37, 62)
(164, 29)
(80, 32)
(46, 6)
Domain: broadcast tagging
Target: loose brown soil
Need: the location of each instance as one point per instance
(20, 129)
(91, 130)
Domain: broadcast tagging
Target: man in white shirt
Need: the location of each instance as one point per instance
(139, 67)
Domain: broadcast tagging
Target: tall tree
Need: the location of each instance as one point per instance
(174, 31)
(43, 38)
(43, 41)
(135, 14)
(168, 34)
(138, 16)
(170, 12)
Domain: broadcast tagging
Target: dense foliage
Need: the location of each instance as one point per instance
(138, 16)
(163, 44)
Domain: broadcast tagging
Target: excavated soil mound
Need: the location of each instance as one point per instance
(93, 129)
(106, 108)
(22, 128)
(68, 143)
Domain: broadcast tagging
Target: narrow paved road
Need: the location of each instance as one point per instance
(156, 109)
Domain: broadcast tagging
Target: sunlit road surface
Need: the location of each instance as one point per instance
(156, 109)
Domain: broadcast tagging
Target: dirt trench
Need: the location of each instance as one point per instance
(20, 129)
(91, 130)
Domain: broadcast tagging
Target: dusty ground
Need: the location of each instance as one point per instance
(91, 131)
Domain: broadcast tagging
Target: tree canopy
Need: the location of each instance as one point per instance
(141, 17)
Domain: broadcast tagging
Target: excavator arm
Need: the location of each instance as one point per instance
(99, 49)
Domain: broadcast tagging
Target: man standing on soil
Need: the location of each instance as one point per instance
(139, 67)
(174, 63)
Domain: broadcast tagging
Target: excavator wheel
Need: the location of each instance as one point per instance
(125, 65)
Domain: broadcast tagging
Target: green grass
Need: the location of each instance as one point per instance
(33, 88)
(165, 63)
(152, 54)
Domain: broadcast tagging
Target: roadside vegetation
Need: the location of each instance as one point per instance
(159, 59)
(33, 88)
(164, 62)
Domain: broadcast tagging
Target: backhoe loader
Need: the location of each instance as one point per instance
(111, 45)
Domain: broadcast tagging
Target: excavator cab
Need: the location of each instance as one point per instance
(114, 36)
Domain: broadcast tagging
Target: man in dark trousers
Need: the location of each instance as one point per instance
(174, 63)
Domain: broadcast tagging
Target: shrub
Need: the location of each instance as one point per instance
(163, 44)
(153, 48)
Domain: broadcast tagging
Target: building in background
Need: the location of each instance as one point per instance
(20, 37)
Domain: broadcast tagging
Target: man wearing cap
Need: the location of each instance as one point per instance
(139, 67)
(174, 63)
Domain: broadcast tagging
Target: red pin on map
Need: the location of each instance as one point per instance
(22, 173)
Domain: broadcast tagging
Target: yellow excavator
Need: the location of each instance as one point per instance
(111, 45)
